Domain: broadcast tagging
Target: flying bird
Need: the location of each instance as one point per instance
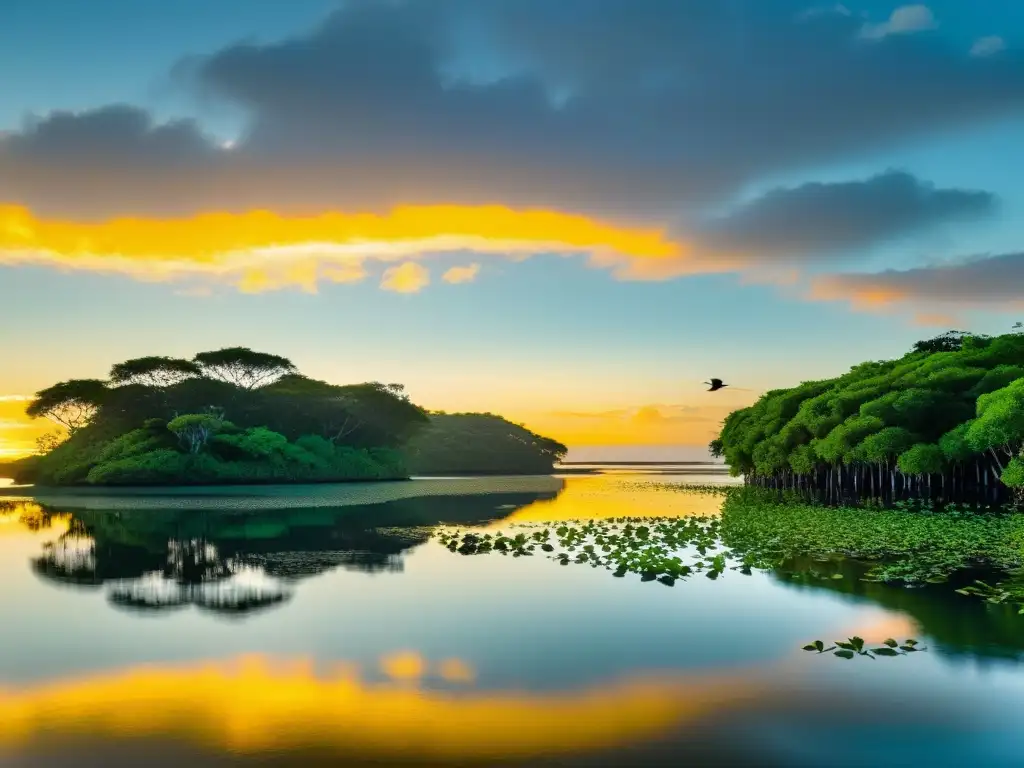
(715, 385)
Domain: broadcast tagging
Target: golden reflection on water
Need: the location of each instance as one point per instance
(598, 497)
(27, 519)
(253, 704)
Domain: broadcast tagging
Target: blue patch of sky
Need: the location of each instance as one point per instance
(547, 311)
(77, 54)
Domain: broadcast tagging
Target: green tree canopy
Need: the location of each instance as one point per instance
(999, 426)
(72, 404)
(1013, 475)
(243, 367)
(884, 446)
(363, 415)
(194, 430)
(950, 341)
(922, 459)
(954, 400)
(154, 371)
(480, 442)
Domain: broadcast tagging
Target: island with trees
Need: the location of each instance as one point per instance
(946, 419)
(237, 416)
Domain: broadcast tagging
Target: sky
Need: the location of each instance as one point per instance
(568, 213)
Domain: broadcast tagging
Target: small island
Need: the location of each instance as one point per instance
(946, 419)
(237, 416)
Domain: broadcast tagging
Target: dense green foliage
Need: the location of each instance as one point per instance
(239, 416)
(480, 443)
(949, 416)
(198, 449)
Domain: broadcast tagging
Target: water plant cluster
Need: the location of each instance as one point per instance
(854, 646)
(945, 420)
(912, 545)
(652, 547)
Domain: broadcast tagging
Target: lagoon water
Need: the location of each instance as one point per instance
(324, 625)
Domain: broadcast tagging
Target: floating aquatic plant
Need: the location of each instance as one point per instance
(854, 646)
(1001, 594)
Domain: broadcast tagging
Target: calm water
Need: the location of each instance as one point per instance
(300, 626)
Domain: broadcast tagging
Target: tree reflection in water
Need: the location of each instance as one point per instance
(236, 563)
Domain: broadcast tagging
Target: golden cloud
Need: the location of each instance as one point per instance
(407, 277)
(864, 296)
(465, 274)
(404, 666)
(260, 250)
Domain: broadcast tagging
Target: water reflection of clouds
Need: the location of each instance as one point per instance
(276, 708)
(244, 590)
(257, 704)
(880, 627)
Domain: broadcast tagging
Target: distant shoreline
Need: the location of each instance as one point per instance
(566, 468)
(644, 463)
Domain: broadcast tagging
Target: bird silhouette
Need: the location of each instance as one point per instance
(715, 385)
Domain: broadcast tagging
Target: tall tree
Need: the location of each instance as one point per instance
(243, 367)
(154, 371)
(72, 404)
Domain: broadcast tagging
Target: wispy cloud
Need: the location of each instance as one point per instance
(903, 20)
(465, 274)
(981, 282)
(988, 46)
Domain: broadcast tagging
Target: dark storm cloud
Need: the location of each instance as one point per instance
(992, 282)
(109, 161)
(113, 133)
(619, 107)
(821, 221)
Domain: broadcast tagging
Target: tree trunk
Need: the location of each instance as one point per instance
(996, 457)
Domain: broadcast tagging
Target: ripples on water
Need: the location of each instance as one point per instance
(324, 624)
